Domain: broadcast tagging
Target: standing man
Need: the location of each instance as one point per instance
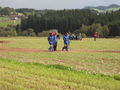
(80, 36)
(51, 40)
(66, 39)
(95, 35)
(56, 40)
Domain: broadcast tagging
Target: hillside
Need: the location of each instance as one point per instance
(23, 76)
(112, 7)
(5, 21)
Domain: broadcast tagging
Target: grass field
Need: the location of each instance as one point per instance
(106, 10)
(5, 21)
(52, 70)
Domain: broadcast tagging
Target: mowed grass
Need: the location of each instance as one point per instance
(42, 43)
(33, 76)
(5, 21)
(97, 62)
(59, 70)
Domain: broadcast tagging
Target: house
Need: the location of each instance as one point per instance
(15, 17)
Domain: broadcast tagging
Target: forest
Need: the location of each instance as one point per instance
(68, 20)
(84, 21)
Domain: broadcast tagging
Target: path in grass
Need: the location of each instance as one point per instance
(4, 49)
(4, 42)
(80, 57)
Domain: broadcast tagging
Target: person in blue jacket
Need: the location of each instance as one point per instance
(51, 40)
(56, 40)
(66, 39)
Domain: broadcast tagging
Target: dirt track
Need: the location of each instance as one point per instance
(4, 42)
(6, 49)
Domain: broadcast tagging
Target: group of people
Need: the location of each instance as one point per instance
(53, 39)
(76, 36)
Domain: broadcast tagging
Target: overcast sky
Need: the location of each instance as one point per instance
(56, 4)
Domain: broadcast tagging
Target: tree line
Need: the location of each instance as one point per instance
(75, 21)
(7, 11)
(107, 24)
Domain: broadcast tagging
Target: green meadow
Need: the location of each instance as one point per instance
(5, 21)
(77, 69)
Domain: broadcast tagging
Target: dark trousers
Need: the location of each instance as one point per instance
(65, 47)
(55, 46)
(94, 38)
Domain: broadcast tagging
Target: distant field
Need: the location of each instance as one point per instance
(101, 57)
(106, 10)
(5, 21)
(112, 9)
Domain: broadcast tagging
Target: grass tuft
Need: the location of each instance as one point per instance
(117, 77)
(61, 67)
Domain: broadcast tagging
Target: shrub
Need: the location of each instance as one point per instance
(84, 35)
(5, 32)
(89, 30)
(29, 32)
(43, 34)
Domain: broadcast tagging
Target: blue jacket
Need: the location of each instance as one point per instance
(51, 39)
(66, 39)
(57, 37)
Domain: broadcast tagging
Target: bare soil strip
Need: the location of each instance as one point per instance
(4, 42)
(5, 49)
(102, 51)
